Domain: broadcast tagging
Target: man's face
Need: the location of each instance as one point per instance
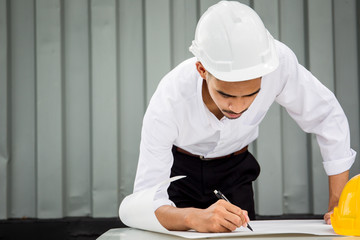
(233, 98)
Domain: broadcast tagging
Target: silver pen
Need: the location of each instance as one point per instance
(219, 195)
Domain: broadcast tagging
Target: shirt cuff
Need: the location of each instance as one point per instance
(161, 202)
(339, 166)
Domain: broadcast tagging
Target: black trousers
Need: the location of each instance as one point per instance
(232, 175)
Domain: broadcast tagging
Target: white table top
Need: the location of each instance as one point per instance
(135, 234)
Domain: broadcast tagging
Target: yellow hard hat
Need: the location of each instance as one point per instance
(346, 217)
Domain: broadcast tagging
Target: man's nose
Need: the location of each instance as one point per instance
(237, 106)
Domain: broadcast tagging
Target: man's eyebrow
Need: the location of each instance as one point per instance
(248, 95)
(251, 94)
(225, 94)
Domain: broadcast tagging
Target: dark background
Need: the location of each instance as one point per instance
(76, 228)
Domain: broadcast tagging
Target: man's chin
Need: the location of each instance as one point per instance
(232, 116)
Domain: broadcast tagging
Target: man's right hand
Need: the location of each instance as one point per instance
(221, 216)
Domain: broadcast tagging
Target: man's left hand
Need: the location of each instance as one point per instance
(336, 185)
(327, 217)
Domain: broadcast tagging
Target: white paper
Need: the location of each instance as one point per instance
(259, 234)
(268, 227)
(137, 211)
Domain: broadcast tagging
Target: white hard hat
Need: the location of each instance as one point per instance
(233, 44)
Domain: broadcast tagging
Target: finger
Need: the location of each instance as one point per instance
(228, 225)
(221, 229)
(246, 216)
(217, 228)
(246, 220)
(239, 212)
(234, 219)
(327, 217)
(231, 208)
(237, 219)
(234, 209)
(222, 210)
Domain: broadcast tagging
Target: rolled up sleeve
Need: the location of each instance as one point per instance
(316, 110)
(155, 160)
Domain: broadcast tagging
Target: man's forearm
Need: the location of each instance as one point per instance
(221, 216)
(173, 218)
(336, 185)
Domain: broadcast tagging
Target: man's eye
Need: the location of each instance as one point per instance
(224, 95)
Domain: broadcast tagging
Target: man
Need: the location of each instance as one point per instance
(207, 110)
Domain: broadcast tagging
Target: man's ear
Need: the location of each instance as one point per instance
(200, 68)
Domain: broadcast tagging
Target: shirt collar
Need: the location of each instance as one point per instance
(206, 115)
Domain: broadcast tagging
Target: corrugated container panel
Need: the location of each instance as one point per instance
(76, 78)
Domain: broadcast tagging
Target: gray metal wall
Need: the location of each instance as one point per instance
(76, 76)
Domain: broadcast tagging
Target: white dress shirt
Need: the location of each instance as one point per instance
(177, 115)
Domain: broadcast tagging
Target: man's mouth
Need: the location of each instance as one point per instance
(232, 115)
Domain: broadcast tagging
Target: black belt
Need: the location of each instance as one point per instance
(244, 149)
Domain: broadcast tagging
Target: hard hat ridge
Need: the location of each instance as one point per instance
(233, 44)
